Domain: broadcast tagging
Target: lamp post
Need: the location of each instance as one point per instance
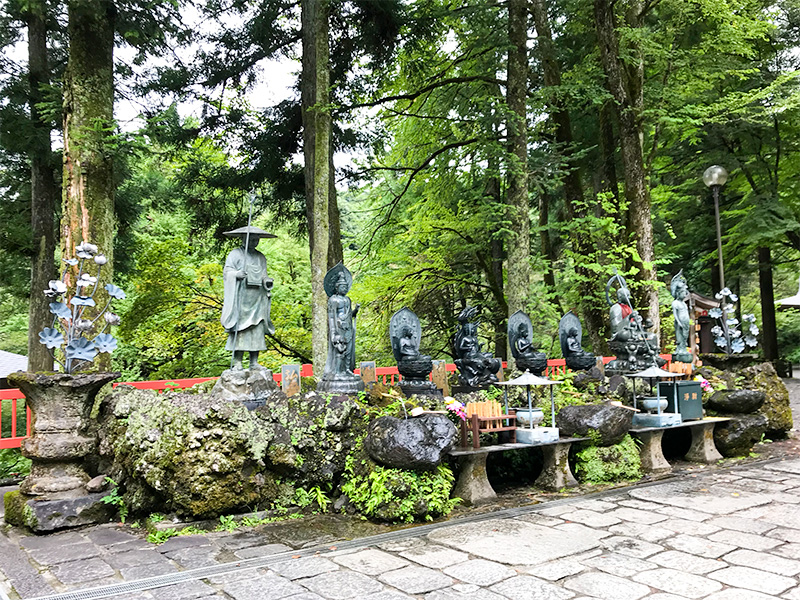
(715, 177)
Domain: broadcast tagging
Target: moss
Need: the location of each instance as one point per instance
(620, 462)
(17, 511)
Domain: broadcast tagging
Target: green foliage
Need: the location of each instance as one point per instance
(115, 498)
(13, 464)
(609, 464)
(226, 523)
(13, 323)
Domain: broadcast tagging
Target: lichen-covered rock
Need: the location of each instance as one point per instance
(417, 443)
(610, 423)
(203, 456)
(776, 407)
(737, 436)
(737, 401)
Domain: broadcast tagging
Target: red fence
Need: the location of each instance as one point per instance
(10, 407)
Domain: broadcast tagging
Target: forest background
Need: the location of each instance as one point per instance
(507, 155)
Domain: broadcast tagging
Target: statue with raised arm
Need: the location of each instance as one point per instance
(248, 297)
(520, 331)
(680, 292)
(405, 332)
(475, 368)
(338, 377)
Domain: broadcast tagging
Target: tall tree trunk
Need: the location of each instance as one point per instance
(769, 341)
(315, 98)
(590, 307)
(43, 190)
(519, 246)
(625, 84)
(88, 183)
(335, 250)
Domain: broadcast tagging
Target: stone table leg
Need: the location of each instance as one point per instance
(703, 449)
(651, 454)
(473, 486)
(556, 473)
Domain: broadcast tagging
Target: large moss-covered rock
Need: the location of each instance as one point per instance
(736, 401)
(737, 436)
(416, 443)
(204, 456)
(608, 422)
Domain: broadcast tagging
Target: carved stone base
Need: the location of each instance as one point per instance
(703, 449)
(556, 473)
(420, 387)
(536, 364)
(251, 387)
(651, 453)
(46, 515)
(473, 486)
(340, 383)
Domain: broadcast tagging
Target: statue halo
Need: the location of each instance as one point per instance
(332, 276)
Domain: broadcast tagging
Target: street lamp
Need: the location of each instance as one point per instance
(715, 177)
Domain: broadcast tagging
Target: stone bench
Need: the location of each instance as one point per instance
(702, 449)
(473, 485)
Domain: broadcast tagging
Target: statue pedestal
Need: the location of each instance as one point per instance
(340, 383)
(250, 387)
(420, 387)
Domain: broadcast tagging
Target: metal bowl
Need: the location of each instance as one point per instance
(524, 417)
(651, 403)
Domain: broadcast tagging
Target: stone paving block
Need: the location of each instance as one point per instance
(179, 542)
(618, 564)
(186, 590)
(690, 527)
(783, 515)
(480, 572)
(591, 518)
(128, 546)
(595, 505)
(665, 596)
(109, 536)
(647, 533)
(265, 586)
(606, 586)
(386, 595)
(676, 582)
(54, 555)
(698, 546)
(151, 570)
(542, 520)
(749, 541)
(339, 585)
(640, 504)
(515, 542)
(635, 515)
(19, 571)
(434, 556)
(788, 551)
(371, 561)
(557, 569)
(787, 466)
(51, 541)
(134, 558)
(683, 513)
(297, 568)
(577, 529)
(793, 594)
(754, 579)
(416, 580)
(194, 558)
(265, 550)
(743, 525)
(454, 593)
(785, 534)
(688, 563)
(764, 562)
(401, 545)
(306, 596)
(81, 571)
(714, 500)
(738, 594)
(555, 511)
(631, 546)
(243, 539)
(525, 587)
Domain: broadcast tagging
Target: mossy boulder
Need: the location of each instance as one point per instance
(737, 436)
(200, 456)
(609, 464)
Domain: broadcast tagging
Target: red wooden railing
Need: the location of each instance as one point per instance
(388, 375)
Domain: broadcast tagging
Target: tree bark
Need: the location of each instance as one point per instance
(43, 190)
(518, 264)
(625, 84)
(769, 338)
(315, 99)
(88, 183)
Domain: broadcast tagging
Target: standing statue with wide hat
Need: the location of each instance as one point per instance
(248, 297)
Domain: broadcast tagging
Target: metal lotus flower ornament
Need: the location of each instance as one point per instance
(70, 325)
(727, 334)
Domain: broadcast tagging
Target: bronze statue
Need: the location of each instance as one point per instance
(475, 368)
(405, 332)
(520, 330)
(338, 376)
(680, 292)
(570, 333)
(248, 296)
(635, 348)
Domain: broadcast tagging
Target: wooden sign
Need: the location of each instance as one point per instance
(440, 376)
(290, 379)
(368, 373)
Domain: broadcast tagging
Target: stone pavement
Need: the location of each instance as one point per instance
(717, 534)
(729, 534)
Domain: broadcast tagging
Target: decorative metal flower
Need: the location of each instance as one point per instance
(57, 286)
(50, 337)
(105, 343)
(100, 259)
(737, 345)
(60, 310)
(85, 280)
(750, 341)
(715, 313)
(80, 349)
(82, 301)
(111, 318)
(83, 324)
(71, 261)
(114, 291)
(85, 250)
